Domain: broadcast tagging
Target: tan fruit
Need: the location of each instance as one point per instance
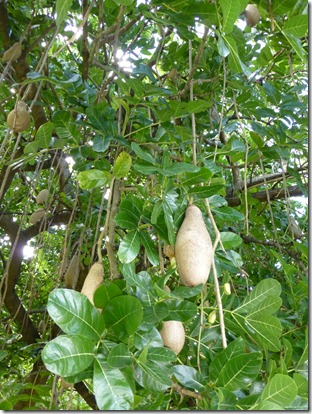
(173, 335)
(19, 119)
(37, 215)
(252, 15)
(72, 273)
(13, 53)
(94, 279)
(193, 249)
(43, 196)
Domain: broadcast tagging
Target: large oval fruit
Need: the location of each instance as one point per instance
(193, 248)
(37, 215)
(19, 119)
(252, 15)
(13, 53)
(42, 196)
(93, 280)
(173, 335)
(72, 273)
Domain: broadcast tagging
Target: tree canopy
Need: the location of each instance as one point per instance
(116, 115)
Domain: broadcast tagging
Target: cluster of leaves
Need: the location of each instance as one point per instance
(121, 350)
(242, 93)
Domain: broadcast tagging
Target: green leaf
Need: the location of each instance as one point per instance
(141, 280)
(123, 314)
(302, 384)
(94, 178)
(296, 45)
(205, 191)
(228, 214)
(122, 165)
(104, 293)
(234, 348)
(129, 215)
(239, 371)
(156, 313)
(186, 292)
(153, 376)
(129, 247)
(151, 250)
(201, 176)
(223, 50)
(62, 8)
(161, 354)
(31, 147)
(297, 25)
(65, 127)
(111, 389)
(189, 377)
(181, 311)
(68, 354)
(44, 134)
(74, 314)
(280, 390)
(231, 10)
(267, 288)
(230, 240)
(119, 356)
(198, 106)
(237, 65)
(144, 155)
(266, 330)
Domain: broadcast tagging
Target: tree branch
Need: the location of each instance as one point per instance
(274, 194)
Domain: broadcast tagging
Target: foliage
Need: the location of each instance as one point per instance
(139, 108)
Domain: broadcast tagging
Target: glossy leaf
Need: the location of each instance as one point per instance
(153, 376)
(189, 377)
(266, 329)
(150, 248)
(129, 247)
(267, 288)
(62, 8)
(181, 311)
(161, 354)
(228, 214)
(230, 240)
(122, 165)
(44, 134)
(111, 389)
(123, 314)
(239, 371)
(74, 314)
(94, 178)
(119, 356)
(68, 354)
(231, 9)
(233, 349)
(280, 390)
(104, 293)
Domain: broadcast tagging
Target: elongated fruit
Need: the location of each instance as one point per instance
(193, 248)
(72, 273)
(252, 15)
(93, 280)
(173, 335)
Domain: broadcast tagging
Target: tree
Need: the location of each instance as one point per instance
(138, 109)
